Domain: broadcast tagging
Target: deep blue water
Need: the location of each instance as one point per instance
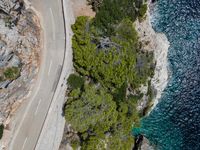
(174, 124)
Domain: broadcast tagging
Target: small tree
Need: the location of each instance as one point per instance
(94, 110)
(75, 81)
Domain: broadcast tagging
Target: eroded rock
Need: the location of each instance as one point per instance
(19, 48)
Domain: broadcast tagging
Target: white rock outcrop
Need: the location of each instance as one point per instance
(158, 43)
(19, 47)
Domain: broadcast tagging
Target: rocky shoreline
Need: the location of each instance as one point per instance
(159, 44)
(20, 48)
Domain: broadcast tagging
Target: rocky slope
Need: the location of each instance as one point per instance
(19, 53)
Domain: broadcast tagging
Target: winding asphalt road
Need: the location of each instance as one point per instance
(32, 120)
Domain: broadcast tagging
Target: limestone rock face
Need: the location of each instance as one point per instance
(19, 48)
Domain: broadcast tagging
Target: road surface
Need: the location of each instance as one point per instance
(32, 120)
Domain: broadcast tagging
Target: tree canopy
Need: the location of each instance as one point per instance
(113, 12)
(94, 110)
(110, 67)
(111, 61)
(75, 81)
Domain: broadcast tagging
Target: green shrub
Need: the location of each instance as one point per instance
(95, 110)
(120, 94)
(75, 144)
(111, 66)
(142, 10)
(112, 12)
(75, 81)
(1, 130)
(126, 31)
(12, 73)
(94, 143)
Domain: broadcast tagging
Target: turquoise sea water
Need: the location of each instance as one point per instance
(174, 124)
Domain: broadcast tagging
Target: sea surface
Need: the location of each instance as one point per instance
(174, 124)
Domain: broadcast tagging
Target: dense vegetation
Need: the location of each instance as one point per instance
(112, 61)
(1, 130)
(110, 67)
(112, 12)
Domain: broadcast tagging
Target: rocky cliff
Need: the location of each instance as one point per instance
(19, 53)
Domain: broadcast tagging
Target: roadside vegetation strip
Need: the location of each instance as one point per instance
(110, 68)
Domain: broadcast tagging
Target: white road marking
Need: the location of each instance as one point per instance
(52, 21)
(24, 143)
(50, 67)
(37, 106)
